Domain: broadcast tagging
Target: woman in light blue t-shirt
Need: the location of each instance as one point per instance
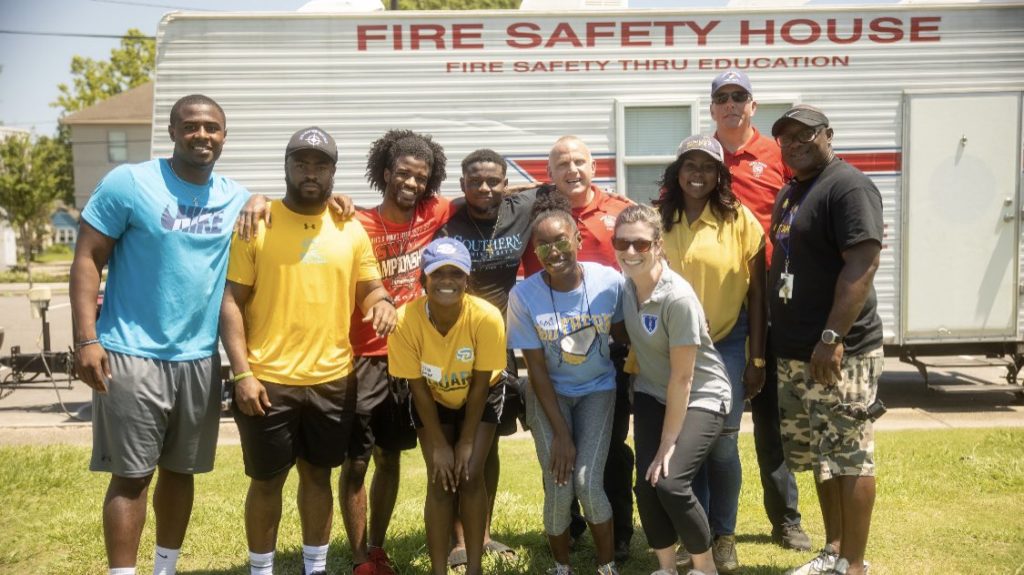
(561, 319)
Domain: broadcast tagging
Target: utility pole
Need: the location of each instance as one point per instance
(394, 4)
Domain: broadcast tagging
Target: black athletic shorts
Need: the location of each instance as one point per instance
(449, 416)
(313, 422)
(389, 424)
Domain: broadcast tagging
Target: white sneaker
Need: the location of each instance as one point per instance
(665, 572)
(823, 564)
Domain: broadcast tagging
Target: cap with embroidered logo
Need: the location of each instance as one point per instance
(702, 143)
(445, 252)
(312, 138)
(731, 78)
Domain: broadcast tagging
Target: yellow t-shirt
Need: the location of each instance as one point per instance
(303, 271)
(475, 342)
(713, 255)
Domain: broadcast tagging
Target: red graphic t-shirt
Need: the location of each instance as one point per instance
(398, 247)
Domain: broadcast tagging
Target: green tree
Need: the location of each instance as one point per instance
(31, 173)
(130, 65)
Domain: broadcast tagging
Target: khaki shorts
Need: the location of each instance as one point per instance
(817, 432)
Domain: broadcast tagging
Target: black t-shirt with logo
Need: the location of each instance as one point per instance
(495, 246)
(828, 214)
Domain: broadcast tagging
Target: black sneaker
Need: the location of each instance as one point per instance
(791, 536)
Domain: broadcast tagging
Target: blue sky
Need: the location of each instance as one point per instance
(32, 66)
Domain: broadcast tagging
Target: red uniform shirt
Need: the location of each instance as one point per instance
(758, 174)
(398, 247)
(596, 222)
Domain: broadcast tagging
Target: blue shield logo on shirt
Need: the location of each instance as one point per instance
(650, 322)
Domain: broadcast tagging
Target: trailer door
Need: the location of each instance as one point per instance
(961, 176)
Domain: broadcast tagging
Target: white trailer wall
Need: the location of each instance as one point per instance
(515, 81)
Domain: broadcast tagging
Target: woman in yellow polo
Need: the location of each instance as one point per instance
(717, 245)
(451, 347)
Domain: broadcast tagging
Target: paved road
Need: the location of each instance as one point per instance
(33, 413)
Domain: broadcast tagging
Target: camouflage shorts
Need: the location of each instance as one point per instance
(817, 432)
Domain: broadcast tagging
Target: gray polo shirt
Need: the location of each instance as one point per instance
(673, 317)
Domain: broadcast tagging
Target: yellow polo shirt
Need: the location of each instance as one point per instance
(303, 271)
(446, 362)
(713, 255)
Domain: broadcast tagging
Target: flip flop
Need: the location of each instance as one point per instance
(457, 558)
(498, 548)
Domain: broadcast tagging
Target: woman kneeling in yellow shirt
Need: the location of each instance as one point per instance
(451, 348)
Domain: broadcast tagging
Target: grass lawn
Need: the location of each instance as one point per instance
(949, 502)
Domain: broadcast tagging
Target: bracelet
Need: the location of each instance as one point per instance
(388, 299)
(85, 342)
(240, 376)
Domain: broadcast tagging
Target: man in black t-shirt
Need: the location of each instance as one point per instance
(495, 228)
(827, 234)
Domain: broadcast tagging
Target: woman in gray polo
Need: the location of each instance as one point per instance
(680, 395)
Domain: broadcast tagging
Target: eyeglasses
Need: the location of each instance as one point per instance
(544, 250)
(639, 246)
(804, 136)
(738, 97)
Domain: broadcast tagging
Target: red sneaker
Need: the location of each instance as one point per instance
(380, 560)
(368, 568)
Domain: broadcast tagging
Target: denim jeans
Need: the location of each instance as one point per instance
(717, 484)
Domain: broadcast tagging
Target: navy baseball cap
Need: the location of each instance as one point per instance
(445, 252)
(312, 138)
(731, 77)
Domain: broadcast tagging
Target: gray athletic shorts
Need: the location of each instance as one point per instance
(156, 412)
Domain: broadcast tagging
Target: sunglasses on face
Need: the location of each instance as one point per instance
(544, 250)
(738, 97)
(639, 246)
(804, 136)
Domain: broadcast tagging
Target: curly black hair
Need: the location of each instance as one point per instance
(724, 204)
(484, 155)
(192, 100)
(551, 204)
(401, 143)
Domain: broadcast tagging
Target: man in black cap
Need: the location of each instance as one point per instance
(827, 336)
(295, 393)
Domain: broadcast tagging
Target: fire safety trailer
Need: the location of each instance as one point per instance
(924, 98)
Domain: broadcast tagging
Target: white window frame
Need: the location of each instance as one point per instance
(122, 144)
(622, 162)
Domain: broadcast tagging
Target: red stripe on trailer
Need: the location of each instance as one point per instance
(873, 162)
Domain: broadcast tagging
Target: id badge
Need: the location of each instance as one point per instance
(786, 286)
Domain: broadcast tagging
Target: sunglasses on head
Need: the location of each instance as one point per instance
(738, 97)
(639, 246)
(544, 250)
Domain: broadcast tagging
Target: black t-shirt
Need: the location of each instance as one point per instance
(829, 214)
(496, 247)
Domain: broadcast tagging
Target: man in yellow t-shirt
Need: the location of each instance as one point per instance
(285, 320)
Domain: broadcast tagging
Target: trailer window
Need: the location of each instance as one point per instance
(648, 134)
(766, 115)
(117, 147)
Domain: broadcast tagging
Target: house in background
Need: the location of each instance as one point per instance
(64, 226)
(115, 131)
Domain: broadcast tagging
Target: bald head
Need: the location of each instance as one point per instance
(571, 169)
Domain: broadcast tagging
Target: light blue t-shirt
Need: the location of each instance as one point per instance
(165, 277)
(542, 318)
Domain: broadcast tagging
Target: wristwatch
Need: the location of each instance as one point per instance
(831, 337)
(758, 362)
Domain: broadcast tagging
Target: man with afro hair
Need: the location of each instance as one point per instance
(407, 168)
